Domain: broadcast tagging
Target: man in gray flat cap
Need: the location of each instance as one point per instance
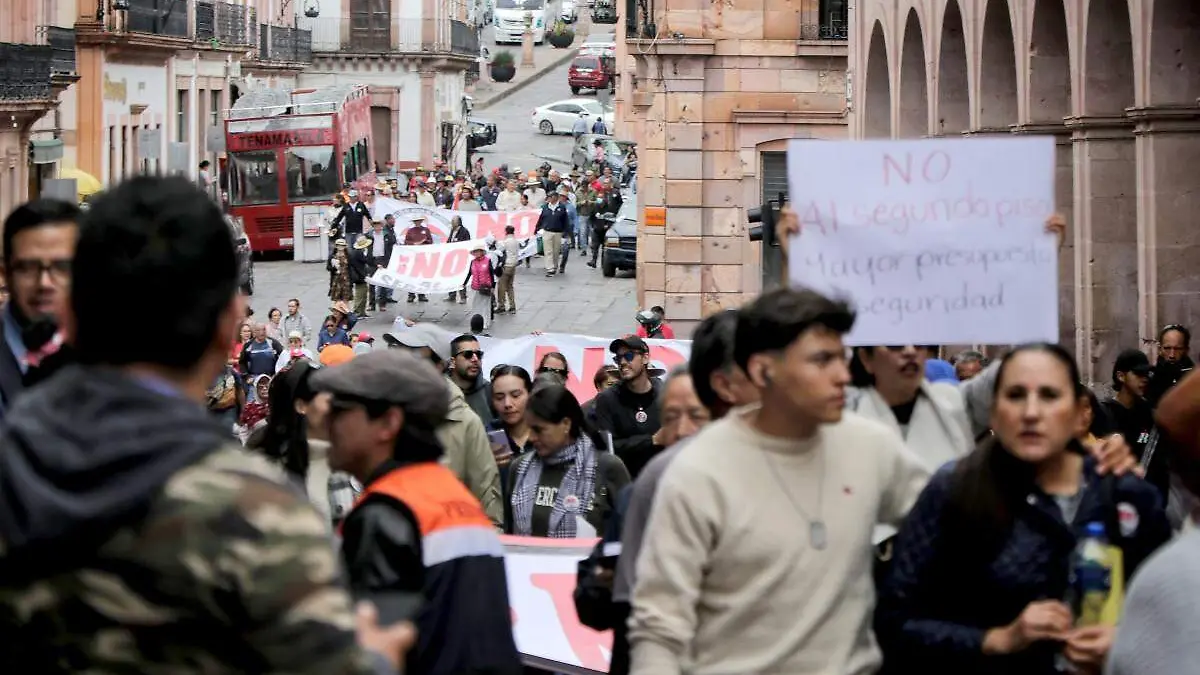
(417, 543)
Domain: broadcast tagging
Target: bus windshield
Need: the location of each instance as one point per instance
(311, 173)
(253, 178)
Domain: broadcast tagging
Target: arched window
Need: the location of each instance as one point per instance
(370, 25)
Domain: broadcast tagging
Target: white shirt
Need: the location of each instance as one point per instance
(378, 248)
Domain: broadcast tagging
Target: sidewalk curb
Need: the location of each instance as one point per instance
(569, 54)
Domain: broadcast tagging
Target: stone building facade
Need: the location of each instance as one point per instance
(711, 92)
(1116, 83)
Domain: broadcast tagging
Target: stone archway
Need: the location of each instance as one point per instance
(914, 94)
(877, 108)
(1049, 64)
(953, 91)
(1174, 53)
(998, 69)
(1108, 59)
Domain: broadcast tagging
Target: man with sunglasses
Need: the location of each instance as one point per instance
(466, 372)
(629, 411)
(418, 544)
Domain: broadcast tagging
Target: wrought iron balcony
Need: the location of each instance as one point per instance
(280, 44)
(830, 20)
(383, 36)
(160, 17)
(25, 72)
(223, 23)
(62, 45)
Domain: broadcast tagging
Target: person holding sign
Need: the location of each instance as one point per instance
(978, 582)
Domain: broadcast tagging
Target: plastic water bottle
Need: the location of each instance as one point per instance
(1091, 576)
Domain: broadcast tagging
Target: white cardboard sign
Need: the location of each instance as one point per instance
(938, 241)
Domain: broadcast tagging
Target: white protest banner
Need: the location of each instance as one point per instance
(585, 355)
(433, 268)
(479, 223)
(936, 241)
(541, 587)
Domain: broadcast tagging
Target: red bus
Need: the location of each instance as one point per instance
(294, 148)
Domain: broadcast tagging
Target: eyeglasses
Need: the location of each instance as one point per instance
(627, 357)
(469, 354)
(32, 270)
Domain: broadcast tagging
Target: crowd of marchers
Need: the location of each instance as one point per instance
(782, 504)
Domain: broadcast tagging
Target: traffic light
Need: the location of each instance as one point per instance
(762, 221)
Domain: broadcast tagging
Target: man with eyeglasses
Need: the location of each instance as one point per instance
(629, 411)
(466, 372)
(417, 544)
(39, 244)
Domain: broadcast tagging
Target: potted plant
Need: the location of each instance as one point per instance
(561, 35)
(503, 66)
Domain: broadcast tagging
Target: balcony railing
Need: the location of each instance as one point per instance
(355, 36)
(224, 22)
(463, 39)
(283, 44)
(160, 17)
(830, 20)
(25, 71)
(62, 45)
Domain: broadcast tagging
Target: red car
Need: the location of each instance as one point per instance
(589, 71)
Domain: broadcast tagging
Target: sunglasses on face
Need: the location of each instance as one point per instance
(626, 357)
(556, 371)
(469, 354)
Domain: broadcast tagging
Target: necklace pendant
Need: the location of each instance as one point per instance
(817, 535)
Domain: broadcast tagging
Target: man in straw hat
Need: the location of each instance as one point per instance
(535, 192)
(418, 235)
(361, 268)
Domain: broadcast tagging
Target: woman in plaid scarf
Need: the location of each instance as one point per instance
(567, 488)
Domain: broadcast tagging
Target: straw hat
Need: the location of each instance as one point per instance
(340, 243)
(362, 243)
(341, 307)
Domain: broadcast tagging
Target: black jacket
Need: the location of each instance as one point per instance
(352, 219)
(361, 265)
(489, 195)
(948, 584)
(11, 380)
(459, 234)
(553, 218)
(617, 411)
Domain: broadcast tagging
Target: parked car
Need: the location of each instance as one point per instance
(559, 117)
(590, 71)
(604, 11)
(600, 41)
(614, 152)
(245, 254)
(480, 133)
(569, 12)
(620, 242)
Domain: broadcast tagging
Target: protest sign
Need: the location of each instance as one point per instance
(933, 241)
(434, 268)
(584, 356)
(479, 223)
(541, 587)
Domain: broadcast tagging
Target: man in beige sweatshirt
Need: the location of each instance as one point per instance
(757, 557)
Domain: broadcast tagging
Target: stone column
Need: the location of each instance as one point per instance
(1168, 150)
(1107, 301)
(431, 134)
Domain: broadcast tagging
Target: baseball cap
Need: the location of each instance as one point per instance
(1132, 361)
(390, 376)
(420, 335)
(631, 342)
(336, 355)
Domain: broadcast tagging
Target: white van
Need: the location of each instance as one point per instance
(510, 20)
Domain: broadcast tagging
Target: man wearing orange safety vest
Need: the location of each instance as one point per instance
(417, 542)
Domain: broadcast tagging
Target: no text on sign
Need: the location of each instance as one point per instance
(934, 241)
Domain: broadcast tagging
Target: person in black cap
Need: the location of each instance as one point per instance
(629, 411)
(1132, 415)
(417, 543)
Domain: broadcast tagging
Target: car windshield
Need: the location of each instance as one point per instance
(601, 39)
(587, 62)
(520, 4)
(253, 178)
(616, 148)
(311, 173)
(628, 208)
(592, 107)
